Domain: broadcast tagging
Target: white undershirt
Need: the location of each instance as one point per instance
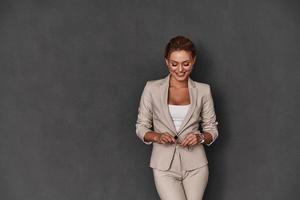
(178, 113)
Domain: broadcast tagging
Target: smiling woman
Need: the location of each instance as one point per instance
(180, 64)
(180, 56)
(174, 106)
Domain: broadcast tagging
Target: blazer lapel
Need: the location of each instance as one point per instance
(164, 89)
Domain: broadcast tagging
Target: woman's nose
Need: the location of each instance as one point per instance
(180, 68)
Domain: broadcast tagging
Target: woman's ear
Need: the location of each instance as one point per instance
(167, 62)
(194, 60)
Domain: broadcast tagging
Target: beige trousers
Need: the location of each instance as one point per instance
(178, 184)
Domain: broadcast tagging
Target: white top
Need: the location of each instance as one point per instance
(178, 113)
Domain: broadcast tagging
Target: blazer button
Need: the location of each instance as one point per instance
(176, 137)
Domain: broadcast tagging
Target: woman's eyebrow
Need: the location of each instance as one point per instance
(176, 61)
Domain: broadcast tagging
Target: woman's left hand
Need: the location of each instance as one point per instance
(190, 139)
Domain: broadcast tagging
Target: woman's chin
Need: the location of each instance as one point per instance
(180, 78)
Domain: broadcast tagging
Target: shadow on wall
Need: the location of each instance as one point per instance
(204, 72)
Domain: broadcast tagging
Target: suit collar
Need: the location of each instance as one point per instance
(164, 89)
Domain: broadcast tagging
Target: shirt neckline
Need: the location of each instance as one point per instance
(179, 105)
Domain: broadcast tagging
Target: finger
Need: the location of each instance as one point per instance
(197, 138)
(184, 142)
(168, 133)
(188, 141)
(187, 138)
(172, 139)
(191, 135)
(165, 136)
(194, 139)
(169, 138)
(165, 139)
(193, 142)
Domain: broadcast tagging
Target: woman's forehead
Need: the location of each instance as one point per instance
(180, 56)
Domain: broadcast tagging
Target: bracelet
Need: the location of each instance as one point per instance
(155, 138)
(202, 138)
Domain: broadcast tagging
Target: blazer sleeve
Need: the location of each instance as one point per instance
(208, 116)
(145, 115)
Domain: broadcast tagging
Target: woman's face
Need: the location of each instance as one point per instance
(180, 64)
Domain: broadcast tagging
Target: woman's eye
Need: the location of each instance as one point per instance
(174, 65)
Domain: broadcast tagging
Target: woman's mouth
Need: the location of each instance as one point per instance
(180, 74)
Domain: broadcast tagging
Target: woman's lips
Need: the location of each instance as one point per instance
(180, 74)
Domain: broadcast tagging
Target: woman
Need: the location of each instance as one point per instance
(174, 107)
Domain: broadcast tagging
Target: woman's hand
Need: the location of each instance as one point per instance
(165, 138)
(190, 139)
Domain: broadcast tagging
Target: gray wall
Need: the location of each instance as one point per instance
(72, 73)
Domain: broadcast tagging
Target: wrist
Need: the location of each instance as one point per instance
(200, 136)
(156, 137)
(208, 137)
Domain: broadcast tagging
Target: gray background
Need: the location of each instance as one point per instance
(72, 73)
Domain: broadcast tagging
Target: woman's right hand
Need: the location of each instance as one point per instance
(165, 138)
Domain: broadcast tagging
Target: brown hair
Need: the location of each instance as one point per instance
(180, 43)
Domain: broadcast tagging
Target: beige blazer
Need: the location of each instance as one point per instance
(154, 115)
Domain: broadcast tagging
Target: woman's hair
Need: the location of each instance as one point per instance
(180, 43)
